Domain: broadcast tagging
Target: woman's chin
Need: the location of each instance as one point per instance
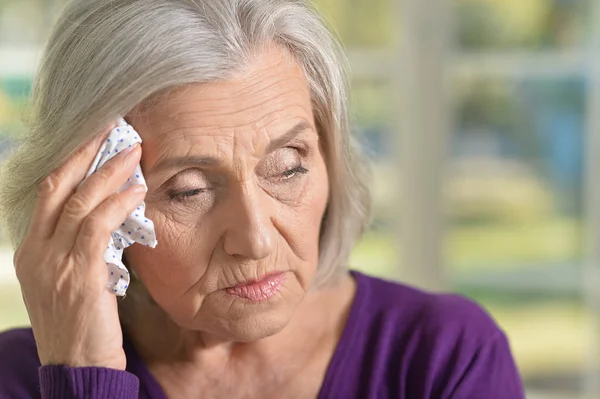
(257, 329)
(248, 328)
(244, 321)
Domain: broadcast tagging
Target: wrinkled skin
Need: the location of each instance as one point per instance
(257, 212)
(246, 201)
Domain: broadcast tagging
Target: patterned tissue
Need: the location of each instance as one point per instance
(136, 228)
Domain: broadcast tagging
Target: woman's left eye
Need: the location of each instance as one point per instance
(186, 194)
(288, 174)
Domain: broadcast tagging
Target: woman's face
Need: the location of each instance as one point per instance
(237, 187)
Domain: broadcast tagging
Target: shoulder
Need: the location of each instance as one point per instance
(444, 341)
(19, 364)
(408, 309)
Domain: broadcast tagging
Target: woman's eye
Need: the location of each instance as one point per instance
(186, 194)
(288, 174)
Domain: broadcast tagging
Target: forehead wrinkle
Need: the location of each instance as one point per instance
(231, 110)
(198, 124)
(187, 129)
(280, 85)
(196, 111)
(178, 134)
(230, 94)
(223, 99)
(224, 145)
(253, 139)
(166, 142)
(269, 67)
(261, 139)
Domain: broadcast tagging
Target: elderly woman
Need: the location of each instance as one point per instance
(257, 197)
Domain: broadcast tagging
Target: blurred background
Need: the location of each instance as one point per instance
(482, 120)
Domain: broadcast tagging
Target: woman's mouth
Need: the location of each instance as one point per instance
(260, 290)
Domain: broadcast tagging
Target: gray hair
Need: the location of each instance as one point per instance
(104, 57)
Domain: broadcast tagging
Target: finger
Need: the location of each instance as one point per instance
(107, 217)
(95, 190)
(58, 186)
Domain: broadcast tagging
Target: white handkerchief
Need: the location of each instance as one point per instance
(136, 228)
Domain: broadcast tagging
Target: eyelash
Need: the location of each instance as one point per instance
(185, 195)
(288, 174)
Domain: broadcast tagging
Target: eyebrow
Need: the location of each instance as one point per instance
(203, 160)
(288, 136)
(181, 161)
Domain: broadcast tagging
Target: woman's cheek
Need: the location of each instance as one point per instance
(310, 195)
(291, 193)
(172, 248)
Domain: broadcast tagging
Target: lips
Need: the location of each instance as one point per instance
(260, 290)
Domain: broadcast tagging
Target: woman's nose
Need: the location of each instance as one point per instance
(251, 233)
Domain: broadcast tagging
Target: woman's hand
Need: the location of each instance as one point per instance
(60, 263)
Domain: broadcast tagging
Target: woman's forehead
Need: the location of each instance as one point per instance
(246, 113)
(269, 92)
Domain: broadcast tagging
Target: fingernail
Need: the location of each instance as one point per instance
(129, 149)
(139, 188)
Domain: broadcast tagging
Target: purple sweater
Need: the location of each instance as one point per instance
(398, 343)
